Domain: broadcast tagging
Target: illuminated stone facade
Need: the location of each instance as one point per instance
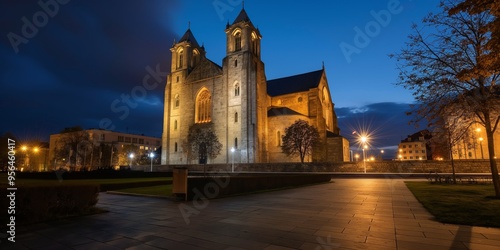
(247, 112)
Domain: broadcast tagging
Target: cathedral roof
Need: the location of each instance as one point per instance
(294, 84)
(242, 17)
(189, 37)
(278, 111)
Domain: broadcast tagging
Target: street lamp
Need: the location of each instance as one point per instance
(232, 159)
(131, 159)
(151, 155)
(364, 139)
(357, 157)
(481, 146)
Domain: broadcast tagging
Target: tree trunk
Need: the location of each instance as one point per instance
(491, 151)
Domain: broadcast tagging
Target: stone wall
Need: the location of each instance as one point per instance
(461, 166)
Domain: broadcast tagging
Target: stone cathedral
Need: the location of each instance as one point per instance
(247, 112)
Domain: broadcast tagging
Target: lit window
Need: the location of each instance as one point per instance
(181, 58)
(237, 41)
(236, 89)
(176, 101)
(203, 107)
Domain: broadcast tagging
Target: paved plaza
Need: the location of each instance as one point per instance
(343, 214)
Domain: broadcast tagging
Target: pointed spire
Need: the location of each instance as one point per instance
(323, 65)
(189, 37)
(242, 5)
(242, 17)
(189, 25)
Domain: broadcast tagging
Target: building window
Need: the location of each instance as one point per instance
(176, 101)
(134, 140)
(158, 143)
(237, 41)
(278, 139)
(236, 117)
(255, 49)
(127, 139)
(120, 138)
(236, 89)
(236, 142)
(175, 147)
(235, 63)
(299, 99)
(175, 125)
(181, 58)
(177, 78)
(102, 137)
(203, 107)
(141, 141)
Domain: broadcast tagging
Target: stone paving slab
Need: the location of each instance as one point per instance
(344, 214)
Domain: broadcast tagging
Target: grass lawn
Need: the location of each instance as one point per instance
(161, 190)
(459, 204)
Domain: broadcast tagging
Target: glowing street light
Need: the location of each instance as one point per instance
(131, 156)
(232, 159)
(151, 155)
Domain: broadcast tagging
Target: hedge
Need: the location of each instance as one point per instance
(35, 203)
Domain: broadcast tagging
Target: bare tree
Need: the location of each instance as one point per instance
(490, 63)
(202, 143)
(439, 65)
(299, 139)
(72, 144)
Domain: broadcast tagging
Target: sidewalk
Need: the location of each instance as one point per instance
(344, 214)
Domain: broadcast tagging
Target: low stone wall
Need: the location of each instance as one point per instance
(461, 166)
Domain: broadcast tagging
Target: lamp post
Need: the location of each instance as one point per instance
(481, 146)
(363, 140)
(151, 155)
(232, 159)
(131, 159)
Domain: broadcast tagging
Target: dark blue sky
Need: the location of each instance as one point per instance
(102, 63)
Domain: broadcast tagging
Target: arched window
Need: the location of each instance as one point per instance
(278, 138)
(236, 89)
(176, 101)
(236, 117)
(194, 61)
(235, 63)
(175, 125)
(203, 107)
(236, 142)
(255, 45)
(237, 41)
(180, 59)
(175, 147)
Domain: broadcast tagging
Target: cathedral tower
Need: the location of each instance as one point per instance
(247, 91)
(186, 55)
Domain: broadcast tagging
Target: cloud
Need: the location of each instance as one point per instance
(84, 58)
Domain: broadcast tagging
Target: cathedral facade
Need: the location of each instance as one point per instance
(247, 112)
